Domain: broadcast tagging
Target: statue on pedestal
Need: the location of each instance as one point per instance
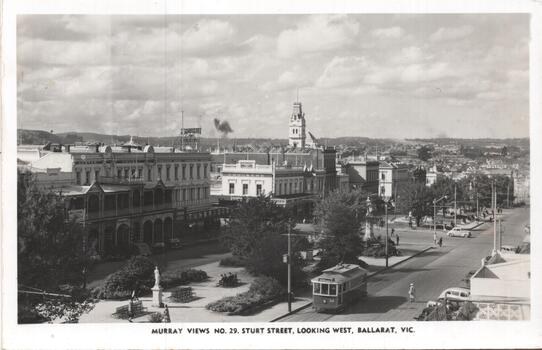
(156, 277)
(157, 290)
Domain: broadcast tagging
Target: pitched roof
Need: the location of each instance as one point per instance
(60, 160)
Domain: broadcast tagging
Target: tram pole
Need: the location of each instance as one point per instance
(289, 267)
(386, 213)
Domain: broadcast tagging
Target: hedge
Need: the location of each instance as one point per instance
(261, 291)
(138, 275)
(233, 261)
(177, 278)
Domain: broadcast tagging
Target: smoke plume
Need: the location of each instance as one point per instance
(223, 127)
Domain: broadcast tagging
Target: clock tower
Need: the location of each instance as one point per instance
(297, 127)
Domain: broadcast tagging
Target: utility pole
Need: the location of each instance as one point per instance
(435, 201)
(508, 194)
(386, 213)
(494, 205)
(289, 267)
(455, 206)
(500, 233)
(477, 212)
(182, 130)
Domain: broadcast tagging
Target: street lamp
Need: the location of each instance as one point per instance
(390, 201)
(435, 212)
(289, 267)
(287, 258)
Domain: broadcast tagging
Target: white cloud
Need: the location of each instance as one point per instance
(409, 55)
(317, 34)
(36, 52)
(288, 80)
(428, 72)
(343, 72)
(388, 33)
(451, 33)
(207, 36)
(112, 78)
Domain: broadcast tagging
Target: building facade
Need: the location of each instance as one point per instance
(431, 176)
(500, 288)
(363, 174)
(129, 194)
(390, 177)
(287, 185)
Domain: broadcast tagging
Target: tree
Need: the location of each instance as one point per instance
(419, 175)
(424, 153)
(445, 186)
(340, 214)
(481, 184)
(256, 234)
(50, 249)
(418, 200)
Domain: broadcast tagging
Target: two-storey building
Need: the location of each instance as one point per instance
(129, 194)
(391, 177)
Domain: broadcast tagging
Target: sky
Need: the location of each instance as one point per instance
(379, 76)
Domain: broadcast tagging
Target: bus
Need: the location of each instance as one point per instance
(338, 286)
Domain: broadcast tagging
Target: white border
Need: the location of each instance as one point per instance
(428, 334)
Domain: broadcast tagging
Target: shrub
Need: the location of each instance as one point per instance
(228, 280)
(177, 278)
(156, 317)
(233, 261)
(268, 287)
(261, 291)
(467, 312)
(136, 275)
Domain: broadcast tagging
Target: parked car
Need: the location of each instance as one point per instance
(455, 293)
(458, 232)
(175, 243)
(510, 249)
(159, 247)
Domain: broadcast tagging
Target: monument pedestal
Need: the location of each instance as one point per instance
(156, 296)
(368, 231)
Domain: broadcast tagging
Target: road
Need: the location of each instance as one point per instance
(431, 272)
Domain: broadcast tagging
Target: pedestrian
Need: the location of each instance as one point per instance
(131, 309)
(392, 232)
(397, 239)
(412, 293)
(435, 238)
(166, 318)
(440, 242)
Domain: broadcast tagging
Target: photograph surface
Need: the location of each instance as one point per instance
(273, 168)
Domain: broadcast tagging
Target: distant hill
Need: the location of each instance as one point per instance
(37, 137)
(42, 137)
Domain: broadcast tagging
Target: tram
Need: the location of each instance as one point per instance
(338, 286)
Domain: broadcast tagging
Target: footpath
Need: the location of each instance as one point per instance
(194, 311)
(208, 291)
